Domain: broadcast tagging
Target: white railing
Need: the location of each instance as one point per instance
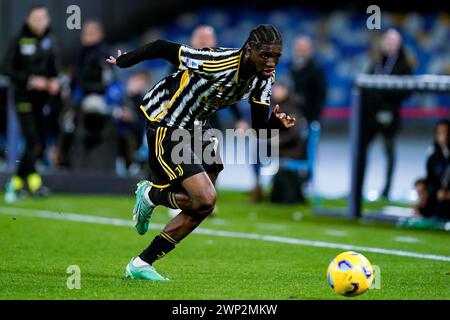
(426, 82)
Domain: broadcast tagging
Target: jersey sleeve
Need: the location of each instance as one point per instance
(159, 49)
(207, 61)
(262, 92)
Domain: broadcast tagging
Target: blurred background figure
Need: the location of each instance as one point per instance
(130, 122)
(95, 92)
(434, 191)
(308, 79)
(203, 36)
(3, 126)
(382, 109)
(307, 98)
(32, 63)
(305, 101)
(92, 75)
(288, 182)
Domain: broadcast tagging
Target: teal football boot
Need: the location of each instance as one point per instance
(147, 272)
(143, 207)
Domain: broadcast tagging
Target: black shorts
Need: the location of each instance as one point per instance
(172, 161)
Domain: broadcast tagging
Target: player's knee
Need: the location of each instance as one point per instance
(206, 201)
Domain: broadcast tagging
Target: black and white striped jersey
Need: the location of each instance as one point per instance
(207, 80)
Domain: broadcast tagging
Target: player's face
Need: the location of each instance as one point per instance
(203, 37)
(391, 42)
(38, 21)
(303, 47)
(265, 59)
(91, 34)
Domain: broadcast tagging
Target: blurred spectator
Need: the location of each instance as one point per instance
(3, 126)
(308, 79)
(306, 102)
(95, 92)
(32, 63)
(203, 36)
(434, 191)
(93, 74)
(288, 183)
(130, 124)
(382, 109)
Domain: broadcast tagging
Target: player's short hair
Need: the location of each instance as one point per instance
(35, 7)
(264, 34)
(95, 21)
(444, 122)
(420, 181)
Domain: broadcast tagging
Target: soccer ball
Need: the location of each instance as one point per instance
(350, 274)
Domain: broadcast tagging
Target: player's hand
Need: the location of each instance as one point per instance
(54, 86)
(38, 83)
(287, 120)
(112, 60)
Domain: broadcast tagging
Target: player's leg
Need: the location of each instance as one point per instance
(197, 204)
(169, 175)
(34, 179)
(166, 177)
(150, 195)
(389, 146)
(197, 201)
(26, 164)
(368, 135)
(189, 189)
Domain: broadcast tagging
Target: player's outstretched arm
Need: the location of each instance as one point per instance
(161, 49)
(276, 120)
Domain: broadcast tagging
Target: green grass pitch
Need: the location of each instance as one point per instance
(35, 253)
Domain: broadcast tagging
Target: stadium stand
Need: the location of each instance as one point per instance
(343, 47)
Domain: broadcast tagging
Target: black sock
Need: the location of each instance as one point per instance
(161, 245)
(163, 197)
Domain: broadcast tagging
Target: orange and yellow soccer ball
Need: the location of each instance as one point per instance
(350, 274)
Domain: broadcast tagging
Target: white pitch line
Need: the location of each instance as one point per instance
(219, 233)
(406, 239)
(68, 216)
(336, 233)
(271, 226)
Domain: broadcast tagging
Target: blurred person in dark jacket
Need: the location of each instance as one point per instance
(381, 110)
(291, 143)
(306, 101)
(309, 88)
(308, 79)
(288, 184)
(92, 74)
(130, 126)
(96, 92)
(32, 63)
(434, 191)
